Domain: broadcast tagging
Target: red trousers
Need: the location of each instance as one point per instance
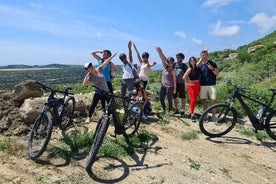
(193, 90)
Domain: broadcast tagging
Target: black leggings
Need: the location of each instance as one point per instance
(95, 101)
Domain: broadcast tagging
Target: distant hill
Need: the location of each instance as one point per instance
(37, 66)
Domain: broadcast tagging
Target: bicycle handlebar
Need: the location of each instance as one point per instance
(110, 94)
(54, 90)
(241, 89)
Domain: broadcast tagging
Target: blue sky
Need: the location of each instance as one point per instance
(42, 32)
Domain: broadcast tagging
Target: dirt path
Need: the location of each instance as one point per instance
(234, 158)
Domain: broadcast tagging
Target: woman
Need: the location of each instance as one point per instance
(142, 96)
(168, 80)
(145, 66)
(192, 78)
(96, 76)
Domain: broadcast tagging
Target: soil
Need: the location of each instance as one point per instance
(234, 158)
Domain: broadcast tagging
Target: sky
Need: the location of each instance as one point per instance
(40, 32)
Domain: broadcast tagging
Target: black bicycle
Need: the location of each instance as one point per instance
(219, 119)
(56, 111)
(126, 123)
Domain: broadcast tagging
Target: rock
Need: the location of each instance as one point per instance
(31, 108)
(25, 90)
(5, 123)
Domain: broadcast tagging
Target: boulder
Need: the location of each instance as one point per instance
(31, 108)
(24, 90)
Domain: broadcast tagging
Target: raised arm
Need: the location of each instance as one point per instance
(162, 56)
(95, 55)
(107, 60)
(130, 52)
(115, 70)
(152, 64)
(138, 54)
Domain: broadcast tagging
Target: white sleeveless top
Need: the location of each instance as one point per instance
(144, 71)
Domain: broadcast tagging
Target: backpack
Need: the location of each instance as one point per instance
(134, 71)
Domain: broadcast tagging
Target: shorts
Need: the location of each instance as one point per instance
(180, 90)
(206, 91)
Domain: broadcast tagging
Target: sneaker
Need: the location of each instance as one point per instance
(88, 120)
(213, 119)
(122, 111)
(144, 117)
(193, 118)
(182, 115)
(176, 111)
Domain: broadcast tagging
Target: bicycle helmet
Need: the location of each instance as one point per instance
(180, 55)
(145, 54)
(122, 56)
(170, 59)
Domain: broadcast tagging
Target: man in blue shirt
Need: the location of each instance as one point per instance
(209, 73)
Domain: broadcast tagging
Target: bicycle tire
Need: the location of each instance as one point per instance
(67, 113)
(97, 141)
(223, 122)
(132, 119)
(270, 124)
(40, 135)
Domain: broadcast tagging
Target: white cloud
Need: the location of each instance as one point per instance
(264, 22)
(197, 41)
(225, 31)
(180, 34)
(217, 3)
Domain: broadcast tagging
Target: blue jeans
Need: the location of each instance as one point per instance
(146, 108)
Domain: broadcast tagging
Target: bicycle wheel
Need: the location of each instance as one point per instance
(132, 119)
(223, 122)
(270, 124)
(97, 141)
(67, 113)
(40, 135)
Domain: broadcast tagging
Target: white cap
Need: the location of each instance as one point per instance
(87, 65)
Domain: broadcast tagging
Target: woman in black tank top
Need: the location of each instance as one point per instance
(192, 78)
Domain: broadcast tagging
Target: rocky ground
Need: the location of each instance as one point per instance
(233, 158)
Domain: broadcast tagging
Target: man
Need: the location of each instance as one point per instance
(108, 68)
(180, 68)
(209, 73)
(128, 77)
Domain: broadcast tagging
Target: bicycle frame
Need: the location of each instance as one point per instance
(256, 123)
(53, 102)
(112, 115)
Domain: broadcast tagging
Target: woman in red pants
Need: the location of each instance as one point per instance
(192, 78)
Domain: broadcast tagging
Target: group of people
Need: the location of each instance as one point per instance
(106, 70)
(200, 77)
